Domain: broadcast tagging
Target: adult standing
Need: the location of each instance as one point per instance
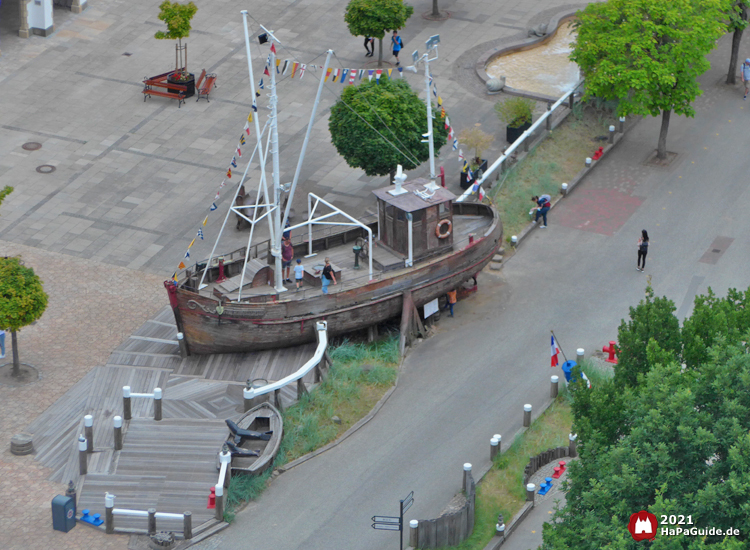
(287, 254)
(642, 250)
(452, 299)
(327, 276)
(543, 205)
(398, 45)
(369, 46)
(2, 343)
(745, 72)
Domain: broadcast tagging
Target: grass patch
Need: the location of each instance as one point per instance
(502, 490)
(348, 392)
(557, 159)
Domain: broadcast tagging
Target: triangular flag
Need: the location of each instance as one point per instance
(242, 139)
(234, 162)
(223, 183)
(247, 126)
(205, 221)
(181, 266)
(286, 66)
(255, 108)
(294, 68)
(273, 47)
(200, 233)
(344, 73)
(268, 61)
(257, 93)
(218, 194)
(213, 206)
(440, 101)
(447, 122)
(174, 275)
(378, 72)
(434, 91)
(187, 254)
(261, 84)
(455, 144)
(369, 74)
(328, 73)
(389, 72)
(361, 74)
(335, 75)
(191, 244)
(265, 72)
(352, 76)
(460, 155)
(302, 70)
(239, 152)
(229, 173)
(278, 63)
(401, 72)
(442, 112)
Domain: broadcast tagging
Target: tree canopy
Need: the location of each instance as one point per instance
(648, 54)
(177, 17)
(677, 442)
(4, 192)
(376, 127)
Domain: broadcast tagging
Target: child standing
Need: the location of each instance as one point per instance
(397, 44)
(451, 295)
(299, 271)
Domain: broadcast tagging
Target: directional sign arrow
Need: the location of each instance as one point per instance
(387, 526)
(386, 519)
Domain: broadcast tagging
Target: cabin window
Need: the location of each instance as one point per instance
(443, 208)
(389, 210)
(417, 216)
(400, 216)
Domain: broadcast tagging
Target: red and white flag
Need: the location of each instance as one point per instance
(554, 351)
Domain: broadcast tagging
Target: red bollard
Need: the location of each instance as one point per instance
(212, 499)
(611, 350)
(442, 176)
(559, 470)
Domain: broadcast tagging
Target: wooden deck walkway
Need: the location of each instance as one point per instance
(169, 465)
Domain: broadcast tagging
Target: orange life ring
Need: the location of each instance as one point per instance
(443, 223)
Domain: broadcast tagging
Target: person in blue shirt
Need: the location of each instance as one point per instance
(745, 72)
(397, 46)
(543, 205)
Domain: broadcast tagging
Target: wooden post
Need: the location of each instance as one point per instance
(372, 333)
(109, 518)
(526, 415)
(151, 521)
(467, 477)
(126, 403)
(117, 421)
(82, 460)
(553, 387)
(572, 452)
(187, 525)
(277, 400)
(157, 403)
(530, 488)
(571, 100)
(219, 512)
(183, 345)
(88, 427)
(493, 448)
(406, 311)
(301, 389)
(413, 533)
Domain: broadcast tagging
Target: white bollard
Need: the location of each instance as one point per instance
(530, 488)
(109, 519)
(612, 134)
(117, 422)
(467, 473)
(88, 426)
(514, 241)
(622, 124)
(579, 356)
(126, 410)
(588, 162)
(413, 533)
(157, 403)
(526, 415)
(564, 189)
(493, 448)
(553, 387)
(82, 460)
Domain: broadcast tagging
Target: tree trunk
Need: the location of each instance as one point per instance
(380, 52)
(435, 10)
(732, 74)
(16, 362)
(661, 150)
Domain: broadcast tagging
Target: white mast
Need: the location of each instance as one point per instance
(431, 44)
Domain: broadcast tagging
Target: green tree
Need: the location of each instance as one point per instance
(375, 17)
(737, 25)
(376, 127)
(651, 320)
(177, 17)
(4, 192)
(22, 300)
(648, 54)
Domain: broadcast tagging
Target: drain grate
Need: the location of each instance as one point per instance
(45, 169)
(32, 146)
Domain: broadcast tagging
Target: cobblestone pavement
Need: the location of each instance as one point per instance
(92, 308)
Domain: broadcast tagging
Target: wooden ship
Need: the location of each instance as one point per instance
(422, 242)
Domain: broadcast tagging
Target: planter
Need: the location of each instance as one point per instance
(465, 182)
(190, 83)
(512, 134)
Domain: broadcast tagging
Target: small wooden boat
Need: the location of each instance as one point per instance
(261, 419)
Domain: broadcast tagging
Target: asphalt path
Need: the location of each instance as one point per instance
(473, 377)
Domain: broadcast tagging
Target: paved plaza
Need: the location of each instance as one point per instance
(133, 179)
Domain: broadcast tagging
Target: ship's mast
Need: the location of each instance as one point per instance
(431, 44)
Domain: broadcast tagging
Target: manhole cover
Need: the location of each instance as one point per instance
(45, 169)
(32, 146)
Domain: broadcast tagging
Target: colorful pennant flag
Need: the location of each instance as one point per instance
(455, 144)
(554, 351)
(401, 72)
(242, 140)
(328, 73)
(265, 71)
(247, 125)
(181, 266)
(378, 72)
(286, 65)
(205, 221)
(302, 70)
(369, 74)
(229, 173)
(200, 233)
(361, 74)
(191, 244)
(273, 47)
(389, 72)
(234, 162)
(294, 68)
(278, 63)
(213, 206)
(187, 253)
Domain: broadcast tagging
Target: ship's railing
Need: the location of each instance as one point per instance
(526, 138)
(321, 331)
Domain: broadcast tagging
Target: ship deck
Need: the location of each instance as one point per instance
(342, 257)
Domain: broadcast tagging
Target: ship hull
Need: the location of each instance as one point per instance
(257, 326)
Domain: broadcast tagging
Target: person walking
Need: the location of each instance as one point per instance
(327, 276)
(2, 343)
(452, 299)
(398, 45)
(299, 273)
(369, 46)
(543, 205)
(287, 254)
(642, 250)
(745, 73)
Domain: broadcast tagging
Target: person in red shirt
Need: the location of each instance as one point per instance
(287, 254)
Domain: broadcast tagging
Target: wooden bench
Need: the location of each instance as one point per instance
(205, 90)
(313, 279)
(200, 79)
(160, 81)
(180, 97)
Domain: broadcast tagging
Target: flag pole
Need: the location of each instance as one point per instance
(558, 345)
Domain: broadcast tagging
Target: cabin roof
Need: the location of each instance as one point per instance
(411, 202)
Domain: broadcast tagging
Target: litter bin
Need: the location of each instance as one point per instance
(567, 368)
(63, 513)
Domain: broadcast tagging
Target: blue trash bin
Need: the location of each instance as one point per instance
(567, 368)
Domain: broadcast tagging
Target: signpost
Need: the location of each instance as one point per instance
(395, 523)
